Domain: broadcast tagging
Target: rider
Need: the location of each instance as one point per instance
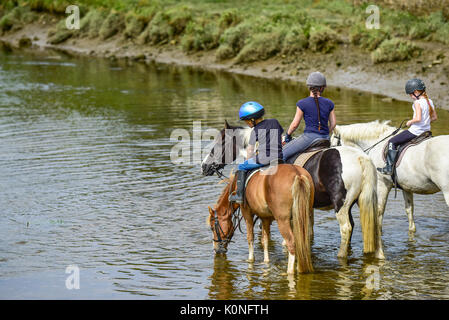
(265, 144)
(423, 113)
(317, 112)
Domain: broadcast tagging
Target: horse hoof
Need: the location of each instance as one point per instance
(342, 255)
(380, 255)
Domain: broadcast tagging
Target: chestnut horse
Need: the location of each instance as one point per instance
(283, 193)
(342, 177)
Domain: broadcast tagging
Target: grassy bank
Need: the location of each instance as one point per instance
(245, 31)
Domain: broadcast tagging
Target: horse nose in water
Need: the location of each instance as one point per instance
(221, 250)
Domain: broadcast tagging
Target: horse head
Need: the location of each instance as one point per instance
(223, 221)
(229, 143)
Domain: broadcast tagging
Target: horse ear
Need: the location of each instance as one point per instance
(211, 212)
(226, 125)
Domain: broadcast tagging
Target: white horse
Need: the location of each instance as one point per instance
(424, 168)
(342, 176)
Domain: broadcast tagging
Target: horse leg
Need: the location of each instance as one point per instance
(249, 234)
(446, 195)
(345, 230)
(351, 221)
(311, 223)
(266, 223)
(408, 198)
(382, 196)
(287, 233)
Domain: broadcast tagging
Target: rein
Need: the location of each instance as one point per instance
(219, 173)
(367, 150)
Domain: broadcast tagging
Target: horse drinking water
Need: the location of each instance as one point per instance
(283, 193)
(342, 176)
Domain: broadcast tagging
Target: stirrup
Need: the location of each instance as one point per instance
(385, 171)
(234, 197)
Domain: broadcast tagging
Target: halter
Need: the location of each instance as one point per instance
(236, 219)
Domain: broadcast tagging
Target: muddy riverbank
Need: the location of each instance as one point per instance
(346, 66)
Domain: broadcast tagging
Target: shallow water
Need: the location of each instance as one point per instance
(86, 180)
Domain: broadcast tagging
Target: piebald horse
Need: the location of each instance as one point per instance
(424, 167)
(283, 193)
(342, 176)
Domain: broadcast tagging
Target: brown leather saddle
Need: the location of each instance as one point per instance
(404, 147)
(318, 145)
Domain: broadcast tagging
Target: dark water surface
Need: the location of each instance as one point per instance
(86, 180)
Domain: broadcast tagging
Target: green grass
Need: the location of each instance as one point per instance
(395, 50)
(245, 30)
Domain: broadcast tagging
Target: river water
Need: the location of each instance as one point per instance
(86, 181)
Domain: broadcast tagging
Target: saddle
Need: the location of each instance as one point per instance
(404, 147)
(252, 172)
(301, 158)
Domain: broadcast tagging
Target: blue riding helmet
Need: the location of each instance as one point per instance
(251, 110)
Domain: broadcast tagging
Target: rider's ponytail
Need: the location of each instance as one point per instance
(315, 91)
(431, 111)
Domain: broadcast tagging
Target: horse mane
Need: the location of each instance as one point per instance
(365, 131)
(230, 183)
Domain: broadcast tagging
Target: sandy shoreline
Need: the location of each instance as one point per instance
(346, 67)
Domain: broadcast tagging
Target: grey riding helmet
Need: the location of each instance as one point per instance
(316, 79)
(414, 84)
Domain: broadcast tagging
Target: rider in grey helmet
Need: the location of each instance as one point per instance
(319, 116)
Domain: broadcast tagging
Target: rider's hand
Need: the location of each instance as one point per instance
(287, 138)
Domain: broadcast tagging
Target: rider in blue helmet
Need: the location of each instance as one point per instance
(265, 144)
(251, 110)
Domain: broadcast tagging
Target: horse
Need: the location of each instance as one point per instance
(283, 193)
(342, 176)
(423, 168)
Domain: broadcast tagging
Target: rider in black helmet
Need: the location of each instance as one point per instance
(423, 113)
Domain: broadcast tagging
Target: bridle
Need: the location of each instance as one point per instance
(236, 219)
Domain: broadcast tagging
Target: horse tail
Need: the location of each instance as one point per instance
(368, 205)
(302, 208)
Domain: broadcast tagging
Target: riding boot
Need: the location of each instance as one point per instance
(391, 158)
(240, 192)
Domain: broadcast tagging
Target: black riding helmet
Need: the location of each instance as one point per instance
(414, 84)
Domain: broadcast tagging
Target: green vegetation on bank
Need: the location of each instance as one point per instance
(244, 30)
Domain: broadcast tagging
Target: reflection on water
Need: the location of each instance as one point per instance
(86, 179)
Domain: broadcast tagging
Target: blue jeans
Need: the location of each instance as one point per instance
(301, 143)
(250, 164)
